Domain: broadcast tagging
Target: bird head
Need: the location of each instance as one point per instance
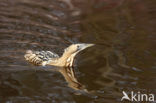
(75, 48)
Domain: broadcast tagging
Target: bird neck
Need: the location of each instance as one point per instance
(65, 60)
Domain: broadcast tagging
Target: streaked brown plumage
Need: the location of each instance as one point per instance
(49, 58)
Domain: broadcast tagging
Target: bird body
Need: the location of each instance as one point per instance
(40, 57)
(49, 58)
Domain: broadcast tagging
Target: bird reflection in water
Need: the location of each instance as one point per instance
(70, 77)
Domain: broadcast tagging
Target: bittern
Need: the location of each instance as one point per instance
(49, 58)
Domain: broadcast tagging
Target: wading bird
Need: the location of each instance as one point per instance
(49, 58)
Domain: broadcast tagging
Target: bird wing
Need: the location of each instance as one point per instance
(40, 57)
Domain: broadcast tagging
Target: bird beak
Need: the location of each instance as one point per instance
(84, 46)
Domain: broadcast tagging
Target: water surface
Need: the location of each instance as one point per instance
(124, 57)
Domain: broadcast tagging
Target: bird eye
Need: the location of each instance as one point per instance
(78, 47)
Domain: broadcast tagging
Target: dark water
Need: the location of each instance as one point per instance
(124, 57)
